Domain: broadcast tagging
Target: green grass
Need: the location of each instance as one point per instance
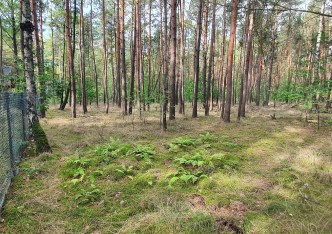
(259, 175)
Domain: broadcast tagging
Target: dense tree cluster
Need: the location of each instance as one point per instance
(212, 53)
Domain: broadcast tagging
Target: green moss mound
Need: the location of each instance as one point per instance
(40, 139)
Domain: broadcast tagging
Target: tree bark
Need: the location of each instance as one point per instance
(71, 61)
(105, 57)
(133, 58)
(165, 75)
(269, 86)
(205, 49)
(243, 95)
(27, 27)
(196, 57)
(227, 115)
(82, 50)
(181, 96)
(118, 55)
(94, 67)
(40, 64)
(123, 60)
(209, 98)
(173, 60)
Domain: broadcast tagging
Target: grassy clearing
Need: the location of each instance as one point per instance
(109, 174)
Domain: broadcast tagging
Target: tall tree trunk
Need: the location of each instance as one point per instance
(53, 57)
(132, 60)
(82, 50)
(123, 58)
(118, 55)
(227, 114)
(259, 78)
(14, 38)
(222, 79)
(196, 57)
(181, 96)
(94, 67)
(165, 75)
(40, 64)
(269, 86)
(71, 61)
(138, 55)
(205, 50)
(243, 95)
(105, 57)
(149, 56)
(173, 60)
(27, 27)
(209, 98)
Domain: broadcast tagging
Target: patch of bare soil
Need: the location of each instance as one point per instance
(224, 216)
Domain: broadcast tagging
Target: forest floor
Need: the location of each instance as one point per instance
(115, 174)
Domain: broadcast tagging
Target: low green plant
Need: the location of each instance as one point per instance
(142, 152)
(226, 161)
(86, 196)
(123, 171)
(186, 176)
(181, 143)
(112, 149)
(207, 138)
(78, 162)
(195, 160)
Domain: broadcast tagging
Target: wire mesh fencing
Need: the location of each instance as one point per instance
(13, 136)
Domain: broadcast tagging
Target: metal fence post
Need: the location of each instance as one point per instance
(12, 159)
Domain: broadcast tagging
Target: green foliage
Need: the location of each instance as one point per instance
(78, 161)
(207, 138)
(112, 149)
(124, 171)
(186, 176)
(226, 161)
(181, 143)
(85, 196)
(196, 160)
(142, 152)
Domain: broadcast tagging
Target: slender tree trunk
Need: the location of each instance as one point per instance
(209, 98)
(94, 67)
(259, 78)
(196, 57)
(14, 38)
(268, 88)
(206, 18)
(227, 115)
(149, 56)
(138, 55)
(133, 58)
(173, 60)
(118, 55)
(82, 50)
(181, 96)
(27, 27)
(105, 57)
(53, 57)
(165, 53)
(243, 100)
(71, 61)
(221, 87)
(40, 64)
(123, 58)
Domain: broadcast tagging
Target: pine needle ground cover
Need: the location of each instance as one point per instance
(109, 174)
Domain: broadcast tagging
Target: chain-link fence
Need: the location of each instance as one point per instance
(13, 135)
